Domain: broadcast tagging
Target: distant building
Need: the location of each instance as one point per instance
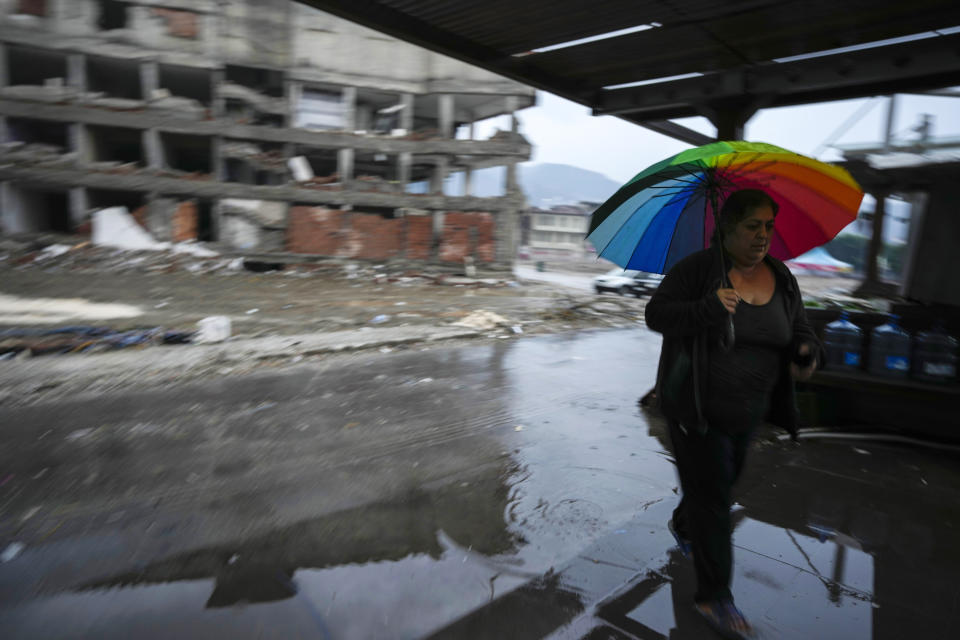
(258, 125)
(557, 232)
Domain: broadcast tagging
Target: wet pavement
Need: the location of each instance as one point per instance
(506, 490)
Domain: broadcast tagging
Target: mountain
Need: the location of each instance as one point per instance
(548, 184)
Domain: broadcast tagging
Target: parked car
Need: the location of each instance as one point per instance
(615, 280)
(644, 284)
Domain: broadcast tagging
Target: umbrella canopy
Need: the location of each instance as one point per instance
(667, 211)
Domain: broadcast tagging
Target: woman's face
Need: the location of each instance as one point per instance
(749, 241)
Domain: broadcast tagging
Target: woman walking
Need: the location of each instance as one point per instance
(714, 393)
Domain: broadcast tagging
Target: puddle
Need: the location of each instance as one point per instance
(411, 511)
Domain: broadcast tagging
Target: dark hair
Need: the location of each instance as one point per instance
(738, 205)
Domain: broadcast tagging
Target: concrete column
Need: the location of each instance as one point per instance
(404, 167)
(872, 275)
(512, 104)
(4, 67)
(7, 224)
(153, 149)
(149, 78)
(79, 204)
(217, 167)
(445, 109)
(77, 71)
(345, 166)
(294, 96)
(439, 175)
(473, 130)
(80, 142)
(218, 104)
(349, 101)
(511, 185)
(4, 130)
(505, 235)
(468, 181)
(406, 114)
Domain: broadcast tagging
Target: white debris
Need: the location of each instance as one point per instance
(52, 251)
(300, 169)
(12, 551)
(213, 329)
(115, 227)
(483, 320)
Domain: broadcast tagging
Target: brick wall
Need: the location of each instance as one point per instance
(320, 231)
(32, 7)
(419, 237)
(183, 226)
(314, 230)
(467, 234)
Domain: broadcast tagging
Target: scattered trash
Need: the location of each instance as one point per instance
(379, 319)
(250, 312)
(483, 320)
(519, 427)
(861, 451)
(79, 434)
(385, 349)
(12, 551)
(84, 339)
(233, 558)
(52, 251)
(213, 329)
(517, 329)
(296, 359)
(160, 305)
(399, 304)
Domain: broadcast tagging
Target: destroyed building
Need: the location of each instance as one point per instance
(260, 126)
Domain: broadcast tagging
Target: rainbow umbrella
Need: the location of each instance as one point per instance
(668, 211)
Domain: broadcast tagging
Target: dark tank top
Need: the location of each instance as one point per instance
(740, 382)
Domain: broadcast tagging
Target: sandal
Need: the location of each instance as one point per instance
(724, 618)
(683, 544)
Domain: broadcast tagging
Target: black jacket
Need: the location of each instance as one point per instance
(686, 310)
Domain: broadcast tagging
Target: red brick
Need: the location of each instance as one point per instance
(184, 223)
(32, 7)
(419, 236)
(467, 234)
(315, 230)
(180, 24)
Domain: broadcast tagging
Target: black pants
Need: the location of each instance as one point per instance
(708, 466)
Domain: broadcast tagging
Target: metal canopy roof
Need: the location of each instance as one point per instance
(737, 56)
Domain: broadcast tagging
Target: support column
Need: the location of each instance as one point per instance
(7, 217)
(149, 78)
(4, 67)
(153, 149)
(217, 102)
(468, 181)
(80, 143)
(77, 71)
(872, 272)
(439, 176)
(349, 101)
(512, 104)
(729, 117)
(406, 114)
(79, 204)
(345, 166)
(404, 168)
(445, 109)
(511, 186)
(217, 168)
(4, 130)
(294, 96)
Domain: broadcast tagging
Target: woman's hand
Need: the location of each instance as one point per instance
(729, 299)
(803, 373)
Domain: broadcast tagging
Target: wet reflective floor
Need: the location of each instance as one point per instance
(506, 490)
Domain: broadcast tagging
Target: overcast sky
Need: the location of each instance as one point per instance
(564, 132)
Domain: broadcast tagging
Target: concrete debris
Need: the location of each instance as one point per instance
(114, 227)
(260, 102)
(483, 320)
(300, 168)
(36, 93)
(212, 329)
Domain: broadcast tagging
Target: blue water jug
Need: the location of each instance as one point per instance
(890, 350)
(935, 356)
(843, 342)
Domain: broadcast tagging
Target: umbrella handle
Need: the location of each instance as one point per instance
(728, 339)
